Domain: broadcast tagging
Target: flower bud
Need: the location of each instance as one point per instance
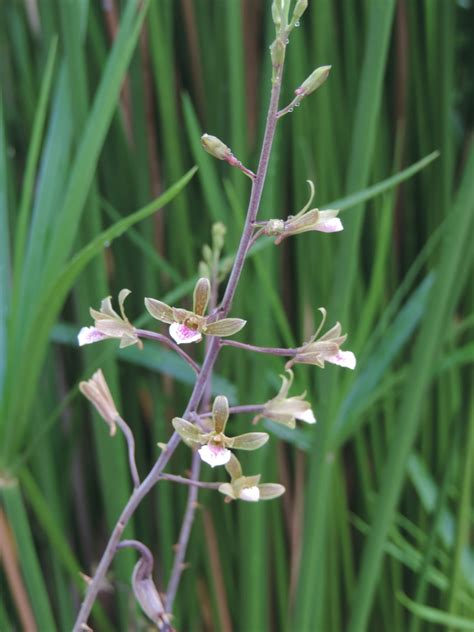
(207, 253)
(299, 9)
(276, 13)
(314, 81)
(98, 393)
(277, 51)
(215, 147)
(218, 234)
(203, 270)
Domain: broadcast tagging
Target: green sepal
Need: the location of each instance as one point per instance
(248, 441)
(234, 468)
(270, 490)
(189, 432)
(159, 310)
(225, 327)
(227, 490)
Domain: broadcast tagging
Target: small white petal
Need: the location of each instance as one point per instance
(307, 416)
(330, 226)
(343, 358)
(88, 335)
(251, 494)
(183, 335)
(214, 454)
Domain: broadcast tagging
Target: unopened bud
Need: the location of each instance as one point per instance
(220, 413)
(202, 292)
(207, 253)
(218, 234)
(299, 9)
(215, 147)
(277, 51)
(98, 393)
(276, 14)
(314, 81)
(203, 270)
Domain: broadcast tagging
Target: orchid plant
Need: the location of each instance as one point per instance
(201, 426)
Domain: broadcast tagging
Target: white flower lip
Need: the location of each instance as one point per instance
(183, 335)
(307, 416)
(343, 358)
(333, 225)
(89, 335)
(250, 494)
(214, 455)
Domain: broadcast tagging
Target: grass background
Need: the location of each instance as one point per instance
(101, 110)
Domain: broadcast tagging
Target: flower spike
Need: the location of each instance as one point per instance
(188, 326)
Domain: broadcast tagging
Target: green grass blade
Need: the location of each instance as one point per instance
(312, 581)
(433, 615)
(21, 228)
(5, 263)
(53, 300)
(30, 564)
(98, 122)
(425, 354)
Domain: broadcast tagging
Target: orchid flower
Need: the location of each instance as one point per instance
(109, 324)
(314, 219)
(286, 410)
(188, 326)
(325, 349)
(215, 445)
(247, 488)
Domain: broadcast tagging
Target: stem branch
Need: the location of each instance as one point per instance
(188, 481)
(125, 428)
(153, 335)
(277, 351)
(178, 564)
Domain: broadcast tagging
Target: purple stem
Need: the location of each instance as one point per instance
(188, 481)
(206, 369)
(153, 335)
(143, 550)
(277, 351)
(294, 104)
(184, 535)
(256, 194)
(140, 492)
(125, 428)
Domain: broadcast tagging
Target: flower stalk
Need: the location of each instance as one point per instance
(207, 366)
(202, 431)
